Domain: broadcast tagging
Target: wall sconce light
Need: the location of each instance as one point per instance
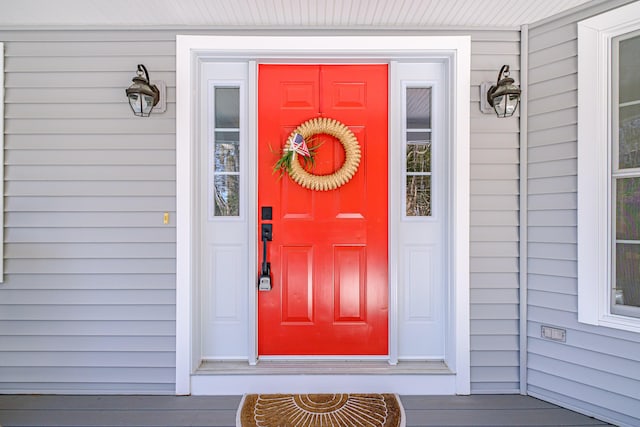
(142, 95)
(503, 97)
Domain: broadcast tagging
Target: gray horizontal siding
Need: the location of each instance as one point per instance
(495, 146)
(596, 370)
(88, 303)
(90, 269)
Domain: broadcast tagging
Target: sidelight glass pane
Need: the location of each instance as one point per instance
(627, 208)
(226, 195)
(629, 136)
(627, 287)
(629, 64)
(227, 107)
(227, 152)
(419, 157)
(418, 195)
(418, 108)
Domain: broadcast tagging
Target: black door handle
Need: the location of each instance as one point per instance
(264, 281)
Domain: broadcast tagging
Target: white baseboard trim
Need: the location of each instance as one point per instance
(214, 385)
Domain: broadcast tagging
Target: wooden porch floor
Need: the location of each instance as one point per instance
(164, 411)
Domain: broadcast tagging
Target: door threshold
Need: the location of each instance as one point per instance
(323, 367)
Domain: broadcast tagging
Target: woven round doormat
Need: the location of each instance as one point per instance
(320, 410)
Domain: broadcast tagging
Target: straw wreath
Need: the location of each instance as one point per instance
(324, 125)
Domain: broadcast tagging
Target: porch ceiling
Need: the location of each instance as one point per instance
(292, 14)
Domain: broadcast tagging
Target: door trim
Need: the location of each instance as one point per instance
(193, 49)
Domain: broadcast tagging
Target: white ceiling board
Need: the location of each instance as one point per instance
(281, 13)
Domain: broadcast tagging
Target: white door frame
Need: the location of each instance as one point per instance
(342, 49)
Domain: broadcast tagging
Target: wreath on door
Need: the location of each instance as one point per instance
(296, 145)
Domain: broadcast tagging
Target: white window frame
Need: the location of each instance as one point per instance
(595, 36)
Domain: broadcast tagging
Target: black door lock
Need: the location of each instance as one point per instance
(266, 232)
(264, 281)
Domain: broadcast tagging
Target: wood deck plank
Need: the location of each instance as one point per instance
(118, 418)
(220, 411)
(506, 401)
(496, 418)
(121, 402)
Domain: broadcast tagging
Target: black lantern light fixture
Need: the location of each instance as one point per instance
(504, 96)
(142, 95)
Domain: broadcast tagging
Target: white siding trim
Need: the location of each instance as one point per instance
(185, 113)
(524, 206)
(319, 48)
(252, 157)
(594, 165)
(393, 245)
(461, 81)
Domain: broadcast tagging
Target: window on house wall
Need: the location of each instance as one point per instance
(625, 180)
(224, 153)
(418, 151)
(609, 169)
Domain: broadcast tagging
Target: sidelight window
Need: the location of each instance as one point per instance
(418, 151)
(224, 153)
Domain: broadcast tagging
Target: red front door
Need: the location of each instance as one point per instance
(329, 250)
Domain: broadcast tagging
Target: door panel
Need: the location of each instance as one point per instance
(297, 296)
(350, 284)
(421, 236)
(329, 250)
